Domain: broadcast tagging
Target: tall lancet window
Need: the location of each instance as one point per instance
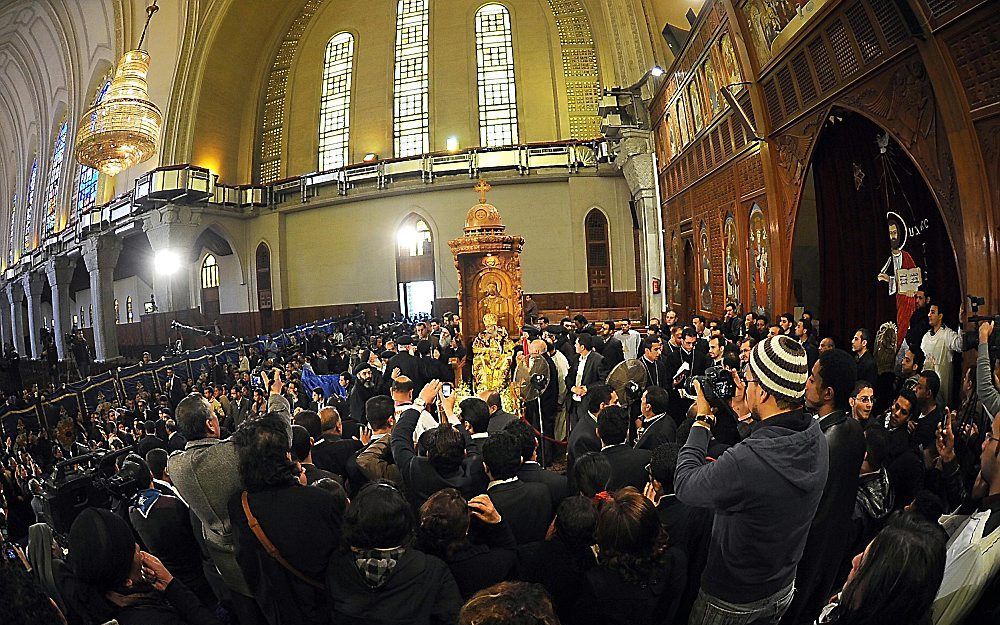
(55, 177)
(410, 117)
(29, 206)
(10, 231)
(335, 105)
(497, 93)
(86, 183)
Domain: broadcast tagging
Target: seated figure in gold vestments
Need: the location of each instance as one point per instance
(492, 354)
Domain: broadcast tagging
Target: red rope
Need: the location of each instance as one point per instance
(542, 436)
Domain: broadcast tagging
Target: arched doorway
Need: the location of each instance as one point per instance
(210, 287)
(262, 265)
(861, 184)
(415, 267)
(598, 259)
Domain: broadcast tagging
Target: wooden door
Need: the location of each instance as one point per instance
(598, 260)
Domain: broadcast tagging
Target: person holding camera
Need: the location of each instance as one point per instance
(987, 380)
(765, 489)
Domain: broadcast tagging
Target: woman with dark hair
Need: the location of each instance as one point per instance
(477, 558)
(108, 577)
(591, 473)
(510, 603)
(277, 510)
(378, 577)
(561, 561)
(895, 579)
(639, 577)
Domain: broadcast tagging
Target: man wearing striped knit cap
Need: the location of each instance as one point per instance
(764, 490)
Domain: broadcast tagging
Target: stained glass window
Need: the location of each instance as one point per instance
(117, 313)
(86, 184)
(410, 117)
(128, 309)
(10, 230)
(55, 176)
(497, 91)
(335, 105)
(29, 205)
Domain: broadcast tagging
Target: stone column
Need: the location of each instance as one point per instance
(634, 156)
(15, 296)
(5, 332)
(173, 230)
(32, 283)
(100, 255)
(60, 272)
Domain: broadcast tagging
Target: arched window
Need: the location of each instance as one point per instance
(10, 231)
(128, 310)
(210, 273)
(118, 318)
(415, 267)
(414, 238)
(86, 183)
(90, 314)
(410, 116)
(29, 206)
(264, 301)
(335, 105)
(497, 92)
(55, 176)
(83, 318)
(598, 259)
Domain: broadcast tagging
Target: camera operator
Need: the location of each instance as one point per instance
(81, 353)
(774, 478)
(987, 373)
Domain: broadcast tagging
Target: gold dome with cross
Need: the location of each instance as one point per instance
(483, 218)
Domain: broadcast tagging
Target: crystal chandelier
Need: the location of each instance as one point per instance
(123, 129)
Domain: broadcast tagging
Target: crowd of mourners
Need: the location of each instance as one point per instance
(759, 474)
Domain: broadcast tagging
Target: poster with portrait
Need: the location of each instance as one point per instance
(697, 115)
(706, 267)
(732, 259)
(712, 85)
(729, 70)
(774, 22)
(760, 262)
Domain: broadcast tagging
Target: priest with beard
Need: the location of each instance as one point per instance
(365, 387)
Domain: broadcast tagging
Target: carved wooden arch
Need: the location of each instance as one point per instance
(905, 107)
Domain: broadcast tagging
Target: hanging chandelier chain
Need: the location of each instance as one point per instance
(149, 16)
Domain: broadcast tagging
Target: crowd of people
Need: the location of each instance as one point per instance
(760, 475)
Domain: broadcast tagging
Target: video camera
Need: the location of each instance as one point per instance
(86, 481)
(715, 383)
(972, 338)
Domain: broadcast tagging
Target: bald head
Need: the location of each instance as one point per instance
(329, 419)
(537, 347)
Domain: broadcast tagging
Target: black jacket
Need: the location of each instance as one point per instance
(489, 558)
(867, 369)
(176, 442)
(499, 420)
(828, 535)
(562, 569)
(654, 600)
(690, 529)
(332, 456)
(421, 478)
(419, 591)
(556, 483)
(175, 606)
(582, 439)
(662, 430)
(525, 506)
(628, 466)
(302, 522)
(148, 443)
(592, 370)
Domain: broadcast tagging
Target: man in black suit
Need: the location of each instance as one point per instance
(696, 362)
(174, 388)
(656, 426)
(584, 437)
(330, 451)
(547, 405)
(651, 357)
(498, 417)
(525, 506)
(612, 351)
(302, 445)
(149, 440)
(446, 465)
(406, 362)
(628, 465)
(175, 440)
(583, 372)
(530, 470)
(861, 346)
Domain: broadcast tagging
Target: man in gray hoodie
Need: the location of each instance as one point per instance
(764, 490)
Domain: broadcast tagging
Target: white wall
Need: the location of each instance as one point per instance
(131, 286)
